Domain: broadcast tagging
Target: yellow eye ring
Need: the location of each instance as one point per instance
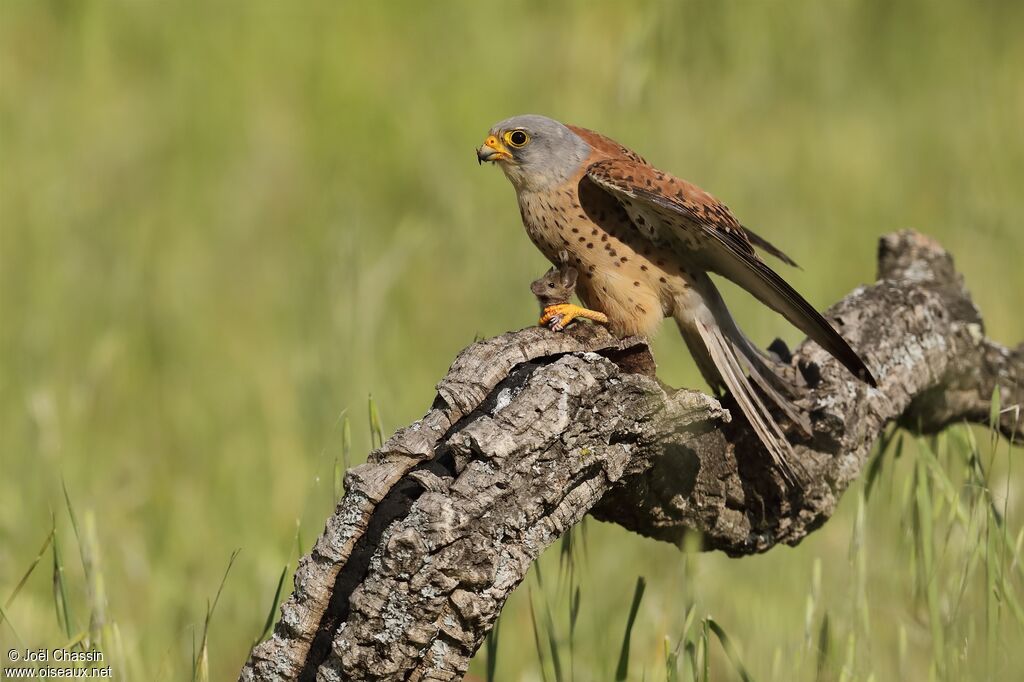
(516, 138)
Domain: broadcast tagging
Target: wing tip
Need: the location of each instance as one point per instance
(854, 364)
(818, 328)
(769, 248)
(779, 255)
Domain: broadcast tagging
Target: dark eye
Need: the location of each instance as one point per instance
(551, 285)
(517, 138)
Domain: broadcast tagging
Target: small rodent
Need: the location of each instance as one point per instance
(556, 286)
(554, 290)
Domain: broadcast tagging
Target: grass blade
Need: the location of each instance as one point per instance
(95, 587)
(200, 663)
(875, 468)
(991, 602)
(622, 669)
(810, 609)
(926, 538)
(574, 612)
(31, 568)
(341, 468)
(338, 481)
(858, 564)
(536, 639)
(60, 590)
(705, 650)
(269, 622)
(71, 509)
(565, 552)
(5, 619)
(492, 651)
(556, 660)
(87, 557)
(995, 411)
(690, 654)
(346, 442)
(730, 649)
(824, 648)
(376, 430)
(671, 662)
(553, 642)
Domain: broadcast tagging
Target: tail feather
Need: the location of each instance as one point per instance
(730, 365)
(755, 361)
(728, 359)
(766, 380)
(773, 385)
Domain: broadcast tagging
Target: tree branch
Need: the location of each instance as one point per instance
(533, 429)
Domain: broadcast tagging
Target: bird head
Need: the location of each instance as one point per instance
(533, 151)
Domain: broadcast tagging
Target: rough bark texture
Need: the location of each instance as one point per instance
(533, 429)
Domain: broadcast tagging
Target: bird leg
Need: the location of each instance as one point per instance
(559, 316)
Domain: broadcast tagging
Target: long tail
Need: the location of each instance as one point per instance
(728, 360)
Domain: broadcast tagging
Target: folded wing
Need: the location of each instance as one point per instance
(685, 218)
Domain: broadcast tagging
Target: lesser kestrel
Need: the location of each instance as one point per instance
(644, 242)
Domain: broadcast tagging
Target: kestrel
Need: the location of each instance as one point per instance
(644, 242)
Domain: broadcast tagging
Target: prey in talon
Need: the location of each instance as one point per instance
(554, 290)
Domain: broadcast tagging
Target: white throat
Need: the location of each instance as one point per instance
(532, 180)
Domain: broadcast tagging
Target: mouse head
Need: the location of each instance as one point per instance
(556, 283)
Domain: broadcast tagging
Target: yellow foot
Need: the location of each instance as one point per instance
(558, 317)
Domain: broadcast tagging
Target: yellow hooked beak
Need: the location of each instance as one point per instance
(493, 149)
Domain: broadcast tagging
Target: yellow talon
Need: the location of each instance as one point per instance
(559, 316)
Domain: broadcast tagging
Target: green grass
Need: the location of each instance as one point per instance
(224, 225)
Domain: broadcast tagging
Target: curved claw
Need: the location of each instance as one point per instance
(560, 316)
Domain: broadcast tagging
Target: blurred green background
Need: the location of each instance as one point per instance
(224, 224)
